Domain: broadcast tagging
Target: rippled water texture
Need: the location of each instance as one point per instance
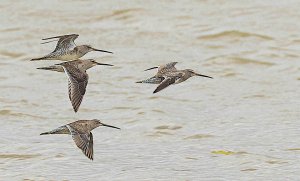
(241, 125)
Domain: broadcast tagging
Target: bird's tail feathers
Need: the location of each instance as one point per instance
(52, 68)
(152, 80)
(60, 130)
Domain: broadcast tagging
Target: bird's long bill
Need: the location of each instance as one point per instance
(45, 68)
(101, 50)
(52, 37)
(151, 68)
(203, 75)
(49, 41)
(60, 36)
(110, 126)
(104, 64)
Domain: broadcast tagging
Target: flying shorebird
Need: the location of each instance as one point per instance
(81, 134)
(77, 77)
(162, 69)
(66, 49)
(167, 75)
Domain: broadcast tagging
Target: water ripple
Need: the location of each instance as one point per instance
(18, 156)
(233, 34)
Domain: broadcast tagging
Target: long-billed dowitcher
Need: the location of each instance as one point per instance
(81, 134)
(66, 49)
(167, 75)
(77, 77)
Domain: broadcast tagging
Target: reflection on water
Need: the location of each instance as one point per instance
(242, 125)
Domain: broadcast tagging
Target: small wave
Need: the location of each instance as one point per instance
(184, 17)
(141, 113)
(121, 14)
(60, 155)
(276, 162)
(199, 136)
(248, 169)
(163, 133)
(16, 114)
(126, 11)
(3, 78)
(191, 158)
(5, 112)
(11, 54)
(293, 149)
(236, 60)
(159, 134)
(168, 127)
(255, 96)
(240, 60)
(18, 156)
(157, 111)
(233, 34)
(230, 74)
(126, 108)
(11, 29)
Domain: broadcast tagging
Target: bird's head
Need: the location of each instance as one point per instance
(89, 63)
(87, 48)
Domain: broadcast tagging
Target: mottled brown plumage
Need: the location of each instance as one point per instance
(81, 134)
(77, 77)
(168, 74)
(66, 49)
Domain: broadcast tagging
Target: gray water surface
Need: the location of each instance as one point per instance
(241, 125)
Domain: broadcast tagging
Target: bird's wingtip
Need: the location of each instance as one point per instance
(75, 110)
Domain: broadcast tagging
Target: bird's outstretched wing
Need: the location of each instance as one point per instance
(165, 83)
(164, 68)
(167, 67)
(65, 42)
(83, 141)
(77, 82)
(152, 80)
(171, 65)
